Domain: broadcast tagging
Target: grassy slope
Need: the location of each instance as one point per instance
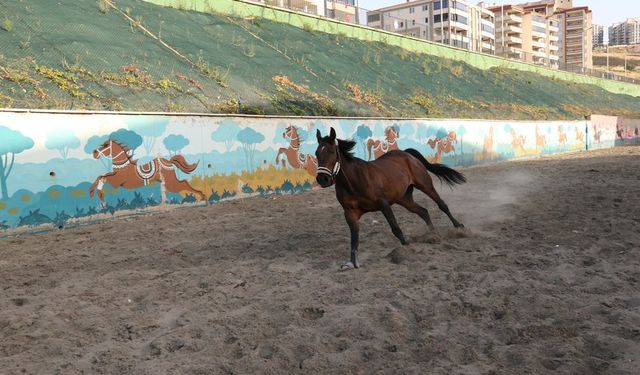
(73, 54)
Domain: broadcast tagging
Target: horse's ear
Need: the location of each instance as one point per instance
(318, 135)
(332, 135)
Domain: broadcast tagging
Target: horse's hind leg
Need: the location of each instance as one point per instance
(391, 219)
(433, 194)
(174, 185)
(408, 203)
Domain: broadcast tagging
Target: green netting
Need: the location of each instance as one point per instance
(142, 57)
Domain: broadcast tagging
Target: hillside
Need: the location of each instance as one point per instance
(617, 57)
(85, 54)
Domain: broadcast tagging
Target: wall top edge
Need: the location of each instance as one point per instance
(218, 115)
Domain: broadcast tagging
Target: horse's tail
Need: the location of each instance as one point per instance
(370, 143)
(444, 173)
(182, 164)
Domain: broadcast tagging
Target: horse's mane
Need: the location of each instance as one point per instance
(346, 147)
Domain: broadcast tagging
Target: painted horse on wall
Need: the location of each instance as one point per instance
(443, 145)
(579, 135)
(389, 143)
(541, 140)
(487, 148)
(517, 140)
(562, 136)
(294, 157)
(128, 174)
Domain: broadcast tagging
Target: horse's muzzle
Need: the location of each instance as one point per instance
(324, 180)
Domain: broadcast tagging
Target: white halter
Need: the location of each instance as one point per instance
(110, 148)
(336, 167)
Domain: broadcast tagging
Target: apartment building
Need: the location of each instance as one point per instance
(627, 32)
(576, 38)
(509, 31)
(342, 10)
(526, 35)
(598, 35)
(315, 7)
(453, 22)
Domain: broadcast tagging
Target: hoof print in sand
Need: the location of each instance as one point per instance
(312, 313)
(402, 254)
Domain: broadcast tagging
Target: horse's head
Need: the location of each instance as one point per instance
(391, 134)
(328, 155)
(290, 132)
(109, 149)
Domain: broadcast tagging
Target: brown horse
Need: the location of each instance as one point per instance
(363, 187)
(382, 147)
(129, 175)
(444, 144)
(294, 157)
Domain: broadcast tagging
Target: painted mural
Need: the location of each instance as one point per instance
(63, 169)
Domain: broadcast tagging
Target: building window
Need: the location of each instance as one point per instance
(425, 8)
(413, 22)
(457, 18)
(426, 20)
(461, 6)
(440, 4)
(373, 18)
(412, 10)
(445, 17)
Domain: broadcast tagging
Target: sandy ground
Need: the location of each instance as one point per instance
(545, 280)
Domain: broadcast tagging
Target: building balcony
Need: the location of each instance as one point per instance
(575, 26)
(513, 40)
(539, 54)
(488, 36)
(508, 18)
(538, 44)
(554, 38)
(457, 26)
(487, 22)
(553, 47)
(554, 57)
(508, 29)
(537, 34)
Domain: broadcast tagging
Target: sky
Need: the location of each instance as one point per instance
(605, 12)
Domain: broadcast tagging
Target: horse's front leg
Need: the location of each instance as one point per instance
(352, 217)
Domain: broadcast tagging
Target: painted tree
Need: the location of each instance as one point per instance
(11, 143)
(461, 132)
(249, 138)
(407, 129)
(127, 138)
(150, 128)
(424, 132)
(347, 127)
(362, 134)
(227, 133)
(175, 142)
(277, 137)
(92, 144)
(62, 140)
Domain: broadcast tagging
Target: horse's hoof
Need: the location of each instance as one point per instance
(348, 266)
